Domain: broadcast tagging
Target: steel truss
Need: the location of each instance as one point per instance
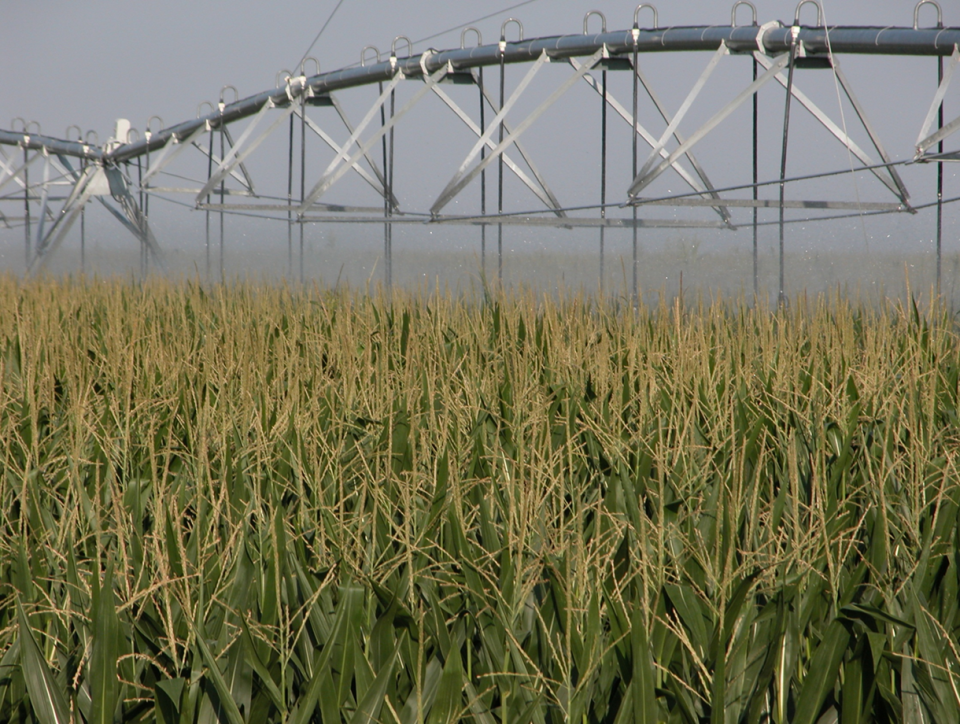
(44, 192)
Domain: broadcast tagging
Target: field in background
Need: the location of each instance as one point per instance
(269, 504)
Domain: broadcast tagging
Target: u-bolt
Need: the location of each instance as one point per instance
(503, 29)
(236, 95)
(150, 121)
(363, 54)
(200, 108)
(590, 14)
(736, 6)
(916, 13)
(393, 46)
(66, 134)
(796, 17)
(303, 66)
(636, 15)
(463, 37)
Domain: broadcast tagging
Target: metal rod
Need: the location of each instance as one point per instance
(756, 211)
(939, 184)
(303, 173)
(290, 203)
(146, 191)
(83, 224)
(143, 246)
(388, 252)
(681, 139)
(223, 188)
(500, 175)
(386, 179)
(483, 180)
(635, 288)
(209, 174)
(783, 164)
(26, 206)
(603, 172)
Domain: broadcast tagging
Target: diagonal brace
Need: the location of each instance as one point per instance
(235, 157)
(355, 135)
(832, 127)
(173, 148)
(370, 159)
(938, 98)
(72, 207)
(674, 123)
(925, 141)
(642, 181)
(497, 122)
(874, 136)
(521, 150)
(326, 138)
(15, 174)
(338, 170)
(216, 159)
(640, 130)
(459, 182)
(247, 179)
(527, 181)
(706, 187)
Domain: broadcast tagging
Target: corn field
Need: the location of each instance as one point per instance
(258, 504)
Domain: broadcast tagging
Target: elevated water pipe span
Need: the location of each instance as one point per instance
(47, 182)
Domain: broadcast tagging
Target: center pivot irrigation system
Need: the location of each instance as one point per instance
(125, 172)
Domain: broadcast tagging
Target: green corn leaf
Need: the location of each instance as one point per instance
(254, 662)
(226, 704)
(447, 705)
(368, 708)
(477, 710)
(822, 673)
(351, 601)
(104, 684)
(851, 698)
(239, 677)
(935, 655)
(166, 696)
(47, 699)
(410, 714)
(642, 684)
(691, 611)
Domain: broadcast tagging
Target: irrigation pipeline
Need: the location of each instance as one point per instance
(740, 39)
(774, 48)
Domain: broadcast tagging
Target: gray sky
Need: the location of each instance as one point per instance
(88, 63)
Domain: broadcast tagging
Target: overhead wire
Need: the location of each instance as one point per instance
(461, 26)
(843, 121)
(307, 52)
(858, 214)
(475, 20)
(700, 194)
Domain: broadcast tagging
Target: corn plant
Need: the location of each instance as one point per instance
(261, 504)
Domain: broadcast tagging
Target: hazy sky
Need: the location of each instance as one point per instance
(88, 63)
